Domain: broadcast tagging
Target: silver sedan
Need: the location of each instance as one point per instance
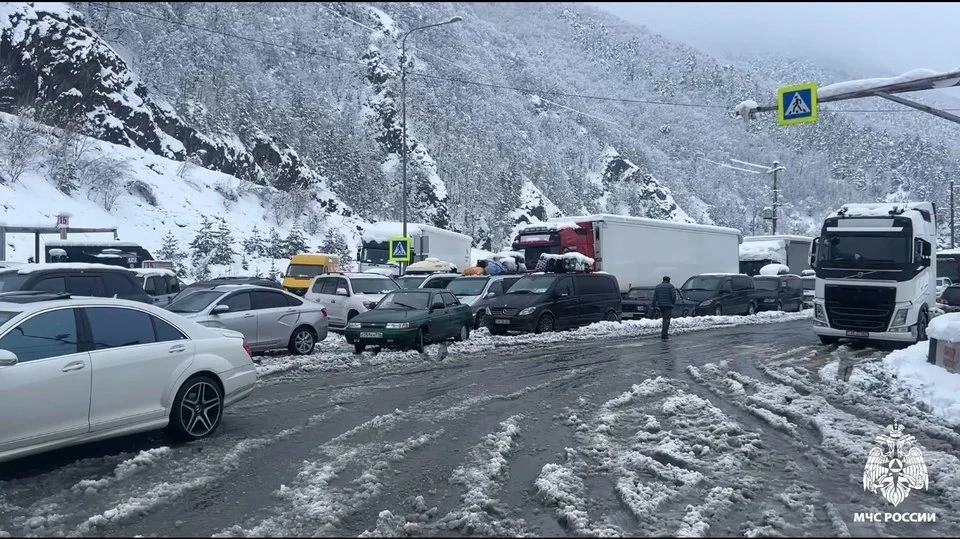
(269, 319)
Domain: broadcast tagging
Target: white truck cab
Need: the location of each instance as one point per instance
(875, 272)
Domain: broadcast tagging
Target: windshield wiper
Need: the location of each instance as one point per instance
(404, 305)
(520, 292)
(697, 289)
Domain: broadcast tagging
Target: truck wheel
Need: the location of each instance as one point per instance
(419, 341)
(824, 339)
(922, 320)
(718, 311)
(612, 316)
(464, 333)
(545, 324)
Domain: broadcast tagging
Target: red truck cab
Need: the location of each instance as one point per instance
(555, 239)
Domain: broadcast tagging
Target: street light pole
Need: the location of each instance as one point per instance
(403, 107)
(953, 227)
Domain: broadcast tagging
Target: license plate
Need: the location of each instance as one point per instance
(504, 322)
(857, 333)
(641, 309)
(371, 335)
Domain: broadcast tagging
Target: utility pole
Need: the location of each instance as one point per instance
(774, 215)
(953, 227)
(776, 197)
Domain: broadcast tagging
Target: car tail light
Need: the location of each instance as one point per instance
(324, 311)
(246, 348)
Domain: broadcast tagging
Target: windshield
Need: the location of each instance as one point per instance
(766, 284)
(532, 254)
(405, 300)
(470, 286)
(535, 284)
(861, 251)
(374, 286)
(375, 253)
(809, 284)
(409, 281)
(948, 267)
(194, 302)
(6, 315)
(303, 270)
(702, 283)
(11, 282)
(951, 294)
(640, 294)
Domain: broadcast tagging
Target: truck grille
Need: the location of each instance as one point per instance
(860, 308)
(504, 312)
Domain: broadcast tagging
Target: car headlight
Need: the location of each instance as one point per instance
(706, 303)
(486, 311)
(398, 325)
(818, 312)
(901, 318)
(353, 325)
(528, 310)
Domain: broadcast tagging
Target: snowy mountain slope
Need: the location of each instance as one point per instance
(534, 207)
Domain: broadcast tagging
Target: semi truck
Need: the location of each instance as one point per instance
(427, 242)
(875, 272)
(758, 251)
(636, 250)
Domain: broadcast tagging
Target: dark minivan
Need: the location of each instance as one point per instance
(76, 279)
(721, 293)
(778, 292)
(544, 302)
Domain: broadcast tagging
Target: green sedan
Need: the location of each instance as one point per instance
(411, 319)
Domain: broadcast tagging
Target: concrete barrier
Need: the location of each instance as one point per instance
(944, 333)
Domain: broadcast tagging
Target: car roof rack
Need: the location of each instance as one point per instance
(31, 296)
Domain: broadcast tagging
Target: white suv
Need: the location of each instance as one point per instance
(346, 295)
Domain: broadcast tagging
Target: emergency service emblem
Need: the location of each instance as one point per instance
(895, 466)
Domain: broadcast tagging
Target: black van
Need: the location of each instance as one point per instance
(721, 293)
(546, 301)
(97, 280)
(778, 292)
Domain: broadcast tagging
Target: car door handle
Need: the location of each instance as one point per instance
(291, 310)
(73, 366)
(248, 315)
(176, 348)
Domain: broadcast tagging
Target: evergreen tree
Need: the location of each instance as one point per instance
(201, 249)
(170, 250)
(223, 252)
(276, 247)
(274, 273)
(253, 246)
(335, 244)
(296, 243)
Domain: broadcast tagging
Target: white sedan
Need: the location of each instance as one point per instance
(77, 370)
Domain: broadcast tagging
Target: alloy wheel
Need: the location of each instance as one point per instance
(200, 409)
(303, 342)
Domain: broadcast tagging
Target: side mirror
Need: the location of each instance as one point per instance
(491, 294)
(563, 294)
(342, 292)
(814, 249)
(8, 358)
(436, 305)
(221, 309)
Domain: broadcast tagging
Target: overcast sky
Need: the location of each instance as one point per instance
(861, 37)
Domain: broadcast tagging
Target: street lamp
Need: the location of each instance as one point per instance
(403, 105)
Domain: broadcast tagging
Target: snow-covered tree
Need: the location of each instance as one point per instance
(223, 251)
(202, 248)
(335, 244)
(170, 250)
(295, 242)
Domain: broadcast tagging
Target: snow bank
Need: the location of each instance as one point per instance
(934, 386)
(870, 84)
(763, 250)
(774, 269)
(945, 327)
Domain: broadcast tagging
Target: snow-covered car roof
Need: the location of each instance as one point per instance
(143, 272)
(30, 268)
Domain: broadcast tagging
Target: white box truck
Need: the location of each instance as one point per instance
(758, 251)
(636, 250)
(876, 272)
(428, 242)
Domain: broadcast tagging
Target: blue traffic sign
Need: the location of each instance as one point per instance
(797, 104)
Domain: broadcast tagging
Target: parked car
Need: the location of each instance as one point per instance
(548, 301)
(638, 303)
(162, 285)
(439, 280)
(950, 299)
(78, 279)
(721, 293)
(220, 281)
(410, 281)
(410, 319)
(153, 370)
(472, 290)
(778, 292)
(942, 284)
(346, 295)
(809, 283)
(269, 319)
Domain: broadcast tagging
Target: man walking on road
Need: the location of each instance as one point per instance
(663, 298)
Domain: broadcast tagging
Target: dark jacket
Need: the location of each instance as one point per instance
(664, 294)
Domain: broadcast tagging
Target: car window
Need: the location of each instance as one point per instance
(565, 286)
(11, 281)
(117, 283)
(152, 285)
(436, 283)
(46, 335)
(165, 332)
(6, 315)
(238, 302)
(508, 282)
(341, 283)
(449, 299)
(742, 283)
(86, 285)
(267, 300)
(51, 284)
(115, 327)
(193, 300)
(373, 286)
(496, 288)
(173, 284)
(292, 301)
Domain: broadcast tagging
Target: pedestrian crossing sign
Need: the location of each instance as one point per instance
(400, 250)
(797, 104)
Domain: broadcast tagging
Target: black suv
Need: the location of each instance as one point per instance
(721, 293)
(97, 280)
(544, 302)
(778, 292)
